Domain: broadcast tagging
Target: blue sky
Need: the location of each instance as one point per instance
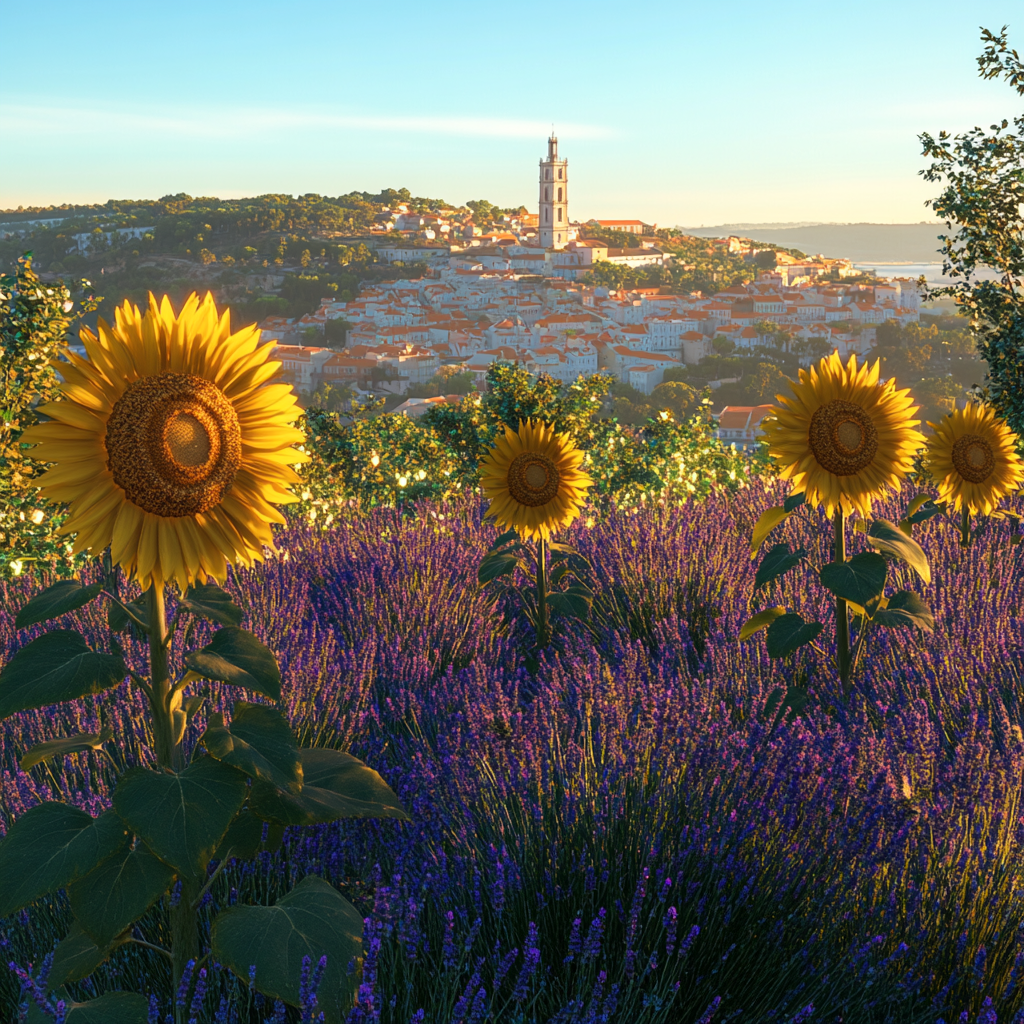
(674, 112)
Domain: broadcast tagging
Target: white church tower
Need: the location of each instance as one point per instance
(554, 199)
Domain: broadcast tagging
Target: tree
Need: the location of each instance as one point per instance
(680, 399)
(674, 373)
(722, 345)
(982, 174)
(766, 259)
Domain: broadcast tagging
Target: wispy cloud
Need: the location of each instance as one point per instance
(31, 120)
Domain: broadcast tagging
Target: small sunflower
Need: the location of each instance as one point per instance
(169, 444)
(842, 437)
(973, 458)
(533, 480)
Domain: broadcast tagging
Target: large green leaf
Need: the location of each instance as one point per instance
(906, 609)
(861, 579)
(243, 839)
(573, 602)
(56, 666)
(116, 894)
(118, 619)
(884, 536)
(77, 956)
(336, 785)
(211, 602)
(50, 846)
(181, 815)
(67, 745)
(777, 562)
(313, 921)
(57, 599)
(768, 521)
(495, 564)
(236, 656)
(760, 621)
(258, 742)
(794, 501)
(110, 1008)
(788, 632)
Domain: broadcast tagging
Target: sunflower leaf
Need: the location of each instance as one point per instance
(768, 521)
(118, 892)
(259, 742)
(211, 602)
(77, 956)
(762, 620)
(794, 501)
(312, 921)
(789, 632)
(57, 599)
(861, 579)
(777, 562)
(496, 564)
(68, 745)
(236, 656)
(573, 602)
(891, 540)
(55, 667)
(119, 619)
(109, 1008)
(906, 609)
(51, 845)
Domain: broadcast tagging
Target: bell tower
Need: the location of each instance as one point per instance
(554, 199)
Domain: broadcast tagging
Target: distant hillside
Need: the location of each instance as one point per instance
(862, 243)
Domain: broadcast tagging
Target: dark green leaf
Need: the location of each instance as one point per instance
(211, 602)
(258, 742)
(861, 579)
(236, 656)
(118, 619)
(243, 838)
(794, 501)
(494, 565)
(54, 667)
(109, 1008)
(313, 921)
(574, 602)
(57, 599)
(50, 846)
(192, 706)
(906, 609)
(508, 537)
(336, 785)
(181, 816)
(116, 894)
(77, 956)
(68, 745)
(768, 521)
(760, 621)
(777, 562)
(890, 539)
(788, 632)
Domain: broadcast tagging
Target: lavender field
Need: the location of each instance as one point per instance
(661, 824)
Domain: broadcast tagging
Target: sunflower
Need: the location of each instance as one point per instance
(842, 437)
(533, 480)
(973, 457)
(169, 444)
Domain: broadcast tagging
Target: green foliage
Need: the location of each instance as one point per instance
(35, 319)
(391, 459)
(236, 656)
(982, 176)
(311, 921)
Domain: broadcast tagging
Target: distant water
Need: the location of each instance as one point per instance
(932, 271)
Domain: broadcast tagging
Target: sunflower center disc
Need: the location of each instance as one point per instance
(842, 437)
(973, 458)
(173, 444)
(532, 479)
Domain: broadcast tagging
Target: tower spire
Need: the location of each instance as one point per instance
(554, 198)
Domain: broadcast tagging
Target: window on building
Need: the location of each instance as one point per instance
(559, 214)
(559, 195)
(547, 194)
(559, 174)
(547, 173)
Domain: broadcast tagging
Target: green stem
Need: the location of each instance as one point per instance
(184, 920)
(965, 527)
(543, 632)
(842, 611)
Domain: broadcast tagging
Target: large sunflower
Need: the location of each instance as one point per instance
(169, 444)
(842, 437)
(973, 458)
(533, 480)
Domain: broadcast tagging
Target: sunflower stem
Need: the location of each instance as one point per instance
(965, 527)
(842, 610)
(184, 923)
(543, 632)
